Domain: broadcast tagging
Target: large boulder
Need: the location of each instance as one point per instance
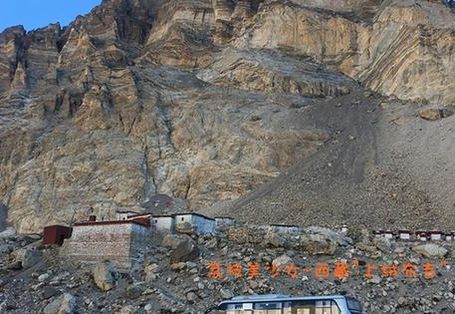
(27, 257)
(173, 240)
(430, 250)
(318, 244)
(435, 114)
(275, 239)
(185, 228)
(281, 261)
(64, 304)
(186, 250)
(105, 275)
(7, 233)
(340, 238)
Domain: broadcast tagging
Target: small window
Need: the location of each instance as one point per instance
(183, 218)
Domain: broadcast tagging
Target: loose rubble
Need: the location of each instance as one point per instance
(168, 285)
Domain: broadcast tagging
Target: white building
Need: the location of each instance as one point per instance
(449, 236)
(404, 235)
(201, 224)
(164, 223)
(388, 234)
(435, 235)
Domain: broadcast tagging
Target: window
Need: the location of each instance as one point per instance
(267, 308)
(316, 307)
(237, 309)
(287, 308)
(353, 304)
(183, 219)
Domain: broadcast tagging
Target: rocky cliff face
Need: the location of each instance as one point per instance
(201, 100)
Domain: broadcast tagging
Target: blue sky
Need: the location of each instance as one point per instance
(39, 13)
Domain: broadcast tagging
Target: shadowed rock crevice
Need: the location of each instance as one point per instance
(3, 216)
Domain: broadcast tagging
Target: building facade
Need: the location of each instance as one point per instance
(118, 241)
(201, 224)
(165, 223)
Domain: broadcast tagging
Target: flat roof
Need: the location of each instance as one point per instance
(195, 214)
(110, 222)
(140, 215)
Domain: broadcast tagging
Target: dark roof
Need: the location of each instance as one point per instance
(140, 215)
(195, 214)
(111, 222)
(223, 217)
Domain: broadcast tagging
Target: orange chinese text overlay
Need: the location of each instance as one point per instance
(337, 270)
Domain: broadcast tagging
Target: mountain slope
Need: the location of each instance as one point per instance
(207, 101)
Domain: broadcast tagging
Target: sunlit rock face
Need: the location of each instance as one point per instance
(403, 49)
(201, 100)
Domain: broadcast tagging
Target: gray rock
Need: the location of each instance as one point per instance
(151, 271)
(191, 297)
(173, 240)
(105, 275)
(430, 250)
(281, 261)
(375, 279)
(226, 294)
(318, 244)
(8, 233)
(275, 239)
(43, 277)
(135, 291)
(340, 238)
(27, 257)
(64, 304)
(178, 266)
(186, 250)
(49, 292)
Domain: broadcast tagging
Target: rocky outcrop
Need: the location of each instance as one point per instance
(65, 304)
(272, 72)
(405, 50)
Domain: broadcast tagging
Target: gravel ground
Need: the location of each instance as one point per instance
(383, 167)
